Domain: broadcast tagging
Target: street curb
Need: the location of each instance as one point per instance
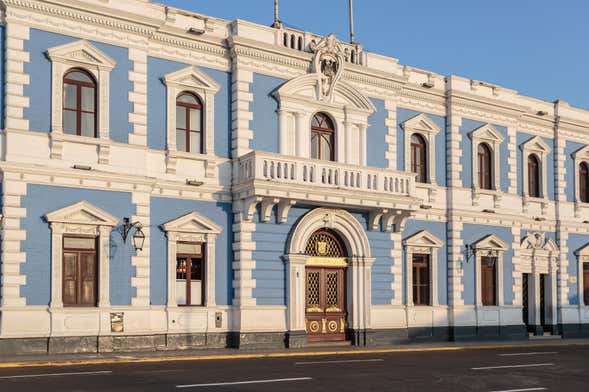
(106, 361)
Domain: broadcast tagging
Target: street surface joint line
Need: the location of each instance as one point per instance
(57, 374)
(532, 353)
(522, 390)
(512, 366)
(340, 361)
(219, 384)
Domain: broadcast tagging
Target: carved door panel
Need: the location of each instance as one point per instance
(325, 304)
(525, 301)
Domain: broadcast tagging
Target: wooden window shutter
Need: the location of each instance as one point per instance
(70, 261)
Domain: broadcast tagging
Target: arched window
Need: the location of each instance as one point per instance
(189, 123)
(485, 162)
(584, 182)
(418, 157)
(533, 176)
(79, 103)
(322, 137)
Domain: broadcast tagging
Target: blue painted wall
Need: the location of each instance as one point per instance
(39, 89)
(466, 158)
(521, 139)
(265, 118)
(271, 241)
(166, 209)
(39, 201)
(376, 145)
(406, 114)
(439, 230)
(156, 104)
(569, 150)
(473, 233)
(575, 242)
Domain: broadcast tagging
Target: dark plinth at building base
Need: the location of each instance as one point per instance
(574, 331)
(296, 339)
(258, 340)
(499, 332)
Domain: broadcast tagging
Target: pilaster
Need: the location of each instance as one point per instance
(16, 78)
(240, 111)
(140, 260)
(12, 235)
(516, 262)
(243, 264)
(562, 286)
(138, 97)
(455, 260)
(512, 159)
(391, 136)
(397, 268)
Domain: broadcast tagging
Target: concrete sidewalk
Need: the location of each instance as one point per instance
(228, 354)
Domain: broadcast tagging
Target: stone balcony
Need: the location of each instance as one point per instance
(276, 180)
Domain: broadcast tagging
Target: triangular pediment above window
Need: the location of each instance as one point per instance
(491, 242)
(82, 213)
(583, 251)
(487, 132)
(192, 223)
(423, 239)
(536, 144)
(81, 52)
(191, 78)
(421, 123)
(582, 154)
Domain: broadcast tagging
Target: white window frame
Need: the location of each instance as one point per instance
(422, 242)
(423, 125)
(192, 227)
(579, 156)
(81, 218)
(493, 138)
(582, 258)
(491, 246)
(538, 146)
(83, 55)
(194, 81)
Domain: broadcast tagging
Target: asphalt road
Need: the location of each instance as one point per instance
(514, 369)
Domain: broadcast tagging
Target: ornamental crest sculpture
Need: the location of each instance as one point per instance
(329, 64)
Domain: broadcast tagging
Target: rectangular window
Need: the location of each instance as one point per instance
(489, 281)
(421, 280)
(80, 271)
(189, 274)
(586, 283)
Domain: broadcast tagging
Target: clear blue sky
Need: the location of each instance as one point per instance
(537, 47)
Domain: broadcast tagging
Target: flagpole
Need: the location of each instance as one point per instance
(351, 21)
(276, 23)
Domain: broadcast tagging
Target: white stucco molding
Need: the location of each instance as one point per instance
(538, 146)
(493, 246)
(422, 242)
(80, 54)
(579, 156)
(493, 138)
(191, 79)
(192, 227)
(358, 274)
(301, 97)
(428, 129)
(540, 256)
(81, 218)
(582, 258)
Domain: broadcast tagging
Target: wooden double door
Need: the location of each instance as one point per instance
(325, 316)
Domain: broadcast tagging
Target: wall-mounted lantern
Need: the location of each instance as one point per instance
(138, 236)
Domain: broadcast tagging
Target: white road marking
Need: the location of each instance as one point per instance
(244, 382)
(512, 366)
(522, 390)
(533, 353)
(342, 361)
(57, 374)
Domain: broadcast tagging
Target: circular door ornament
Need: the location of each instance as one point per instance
(332, 326)
(314, 326)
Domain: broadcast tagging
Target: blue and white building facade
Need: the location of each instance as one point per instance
(481, 185)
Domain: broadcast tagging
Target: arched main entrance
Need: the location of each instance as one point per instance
(325, 287)
(323, 242)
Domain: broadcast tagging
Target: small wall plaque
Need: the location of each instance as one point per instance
(117, 322)
(573, 279)
(218, 320)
